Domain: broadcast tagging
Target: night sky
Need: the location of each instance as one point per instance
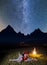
(23, 15)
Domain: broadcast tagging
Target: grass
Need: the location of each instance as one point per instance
(14, 54)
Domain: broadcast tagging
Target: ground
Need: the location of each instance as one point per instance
(13, 53)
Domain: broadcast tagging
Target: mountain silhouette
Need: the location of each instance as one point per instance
(8, 30)
(8, 35)
(37, 34)
(37, 31)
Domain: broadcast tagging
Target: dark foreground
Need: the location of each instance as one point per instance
(6, 54)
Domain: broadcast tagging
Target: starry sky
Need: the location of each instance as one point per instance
(23, 15)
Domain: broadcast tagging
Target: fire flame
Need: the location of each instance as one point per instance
(34, 51)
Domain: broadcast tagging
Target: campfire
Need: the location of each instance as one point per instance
(34, 54)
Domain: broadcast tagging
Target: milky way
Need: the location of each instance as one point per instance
(23, 15)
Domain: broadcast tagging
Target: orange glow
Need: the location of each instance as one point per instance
(34, 54)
